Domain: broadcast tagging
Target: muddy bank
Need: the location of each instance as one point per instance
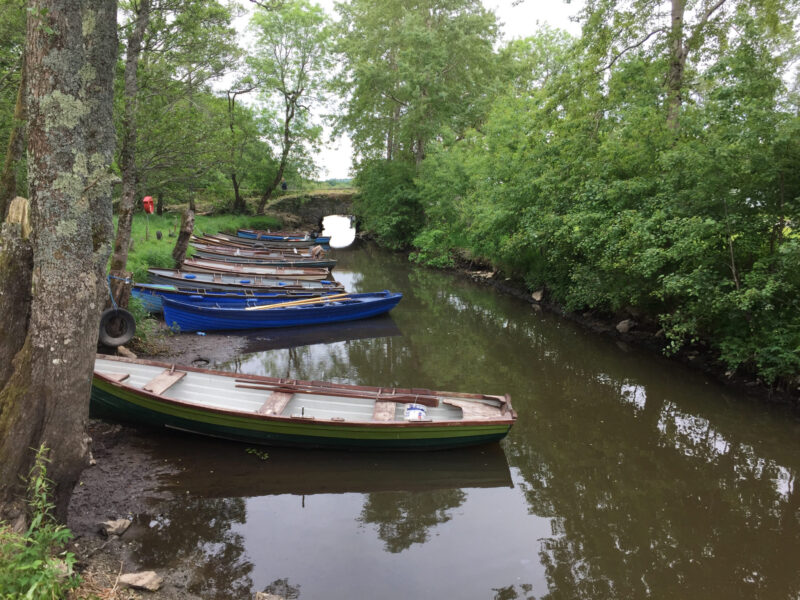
(123, 481)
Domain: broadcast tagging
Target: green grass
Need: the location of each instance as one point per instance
(147, 251)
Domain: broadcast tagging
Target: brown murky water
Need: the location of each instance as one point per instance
(626, 476)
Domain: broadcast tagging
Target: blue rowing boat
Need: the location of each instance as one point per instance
(255, 234)
(150, 295)
(208, 315)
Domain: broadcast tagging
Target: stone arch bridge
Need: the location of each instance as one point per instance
(307, 211)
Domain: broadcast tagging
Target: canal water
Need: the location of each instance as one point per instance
(626, 475)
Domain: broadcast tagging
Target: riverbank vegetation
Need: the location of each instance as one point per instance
(647, 168)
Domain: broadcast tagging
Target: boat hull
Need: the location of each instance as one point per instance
(226, 282)
(198, 315)
(115, 399)
(150, 296)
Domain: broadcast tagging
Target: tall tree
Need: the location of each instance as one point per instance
(174, 48)
(44, 399)
(291, 63)
(12, 97)
(411, 69)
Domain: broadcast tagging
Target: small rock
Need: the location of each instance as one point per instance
(266, 596)
(626, 325)
(123, 351)
(115, 527)
(659, 334)
(537, 295)
(145, 580)
(536, 308)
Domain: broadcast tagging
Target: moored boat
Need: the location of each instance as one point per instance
(200, 314)
(268, 410)
(222, 254)
(150, 295)
(204, 265)
(224, 281)
(257, 234)
(265, 243)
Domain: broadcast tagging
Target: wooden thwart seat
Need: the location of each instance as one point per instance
(118, 377)
(384, 410)
(275, 403)
(163, 381)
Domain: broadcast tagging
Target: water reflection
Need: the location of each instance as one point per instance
(632, 476)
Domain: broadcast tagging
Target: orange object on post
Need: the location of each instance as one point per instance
(147, 202)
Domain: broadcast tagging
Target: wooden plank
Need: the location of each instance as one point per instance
(163, 381)
(475, 410)
(118, 377)
(275, 404)
(384, 411)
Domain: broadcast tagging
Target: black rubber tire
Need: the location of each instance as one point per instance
(117, 327)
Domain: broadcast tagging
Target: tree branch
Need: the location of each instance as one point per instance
(631, 47)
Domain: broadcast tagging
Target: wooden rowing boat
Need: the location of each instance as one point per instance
(268, 410)
(260, 257)
(204, 265)
(150, 295)
(224, 281)
(196, 313)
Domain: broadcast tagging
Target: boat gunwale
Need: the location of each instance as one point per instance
(505, 407)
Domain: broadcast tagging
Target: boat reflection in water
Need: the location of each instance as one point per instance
(306, 472)
(293, 337)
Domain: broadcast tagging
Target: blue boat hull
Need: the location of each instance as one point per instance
(252, 235)
(202, 315)
(150, 296)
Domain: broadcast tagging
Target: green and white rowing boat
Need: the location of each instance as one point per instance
(275, 411)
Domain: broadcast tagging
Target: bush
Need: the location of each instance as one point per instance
(33, 565)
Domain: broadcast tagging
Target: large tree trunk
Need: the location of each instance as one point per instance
(128, 154)
(286, 145)
(45, 399)
(16, 146)
(677, 64)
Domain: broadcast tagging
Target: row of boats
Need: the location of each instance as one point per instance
(276, 286)
(280, 286)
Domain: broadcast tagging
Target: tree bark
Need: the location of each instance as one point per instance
(181, 245)
(45, 400)
(286, 146)
(16, 146)
(128, 151)
(677, 64)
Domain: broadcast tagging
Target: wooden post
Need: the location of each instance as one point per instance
(187, 227)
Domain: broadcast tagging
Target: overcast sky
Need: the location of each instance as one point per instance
(517, 21)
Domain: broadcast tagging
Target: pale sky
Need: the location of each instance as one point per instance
(518, 21)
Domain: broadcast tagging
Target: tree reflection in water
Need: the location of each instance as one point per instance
(196, 535)
(406, 518)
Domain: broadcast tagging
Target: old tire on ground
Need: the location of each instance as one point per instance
(117, 327)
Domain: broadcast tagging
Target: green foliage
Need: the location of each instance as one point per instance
(579, 183)
(33, 565)
(388, 203)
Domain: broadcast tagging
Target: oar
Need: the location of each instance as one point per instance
(299, 302)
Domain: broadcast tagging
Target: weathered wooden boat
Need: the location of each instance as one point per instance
(204, 265)
(228, 245)
(260, 258)
(264, 243)
(200, 314)
(150, 295)
(257, 234)
(223, 281)
(269, 410)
